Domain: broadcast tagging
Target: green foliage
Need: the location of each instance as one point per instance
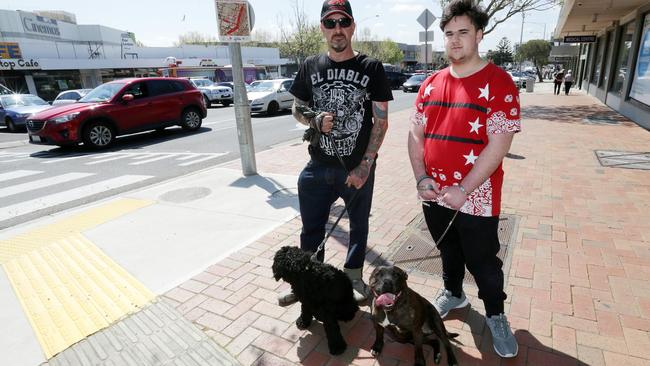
(536, 50)
(385, 51)
(503, 54)
(302, 43)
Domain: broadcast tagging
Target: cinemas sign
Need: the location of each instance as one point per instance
(18, 64)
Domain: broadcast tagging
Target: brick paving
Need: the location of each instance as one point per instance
(579, 284)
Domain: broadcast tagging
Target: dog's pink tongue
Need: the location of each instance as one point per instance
(386, 299)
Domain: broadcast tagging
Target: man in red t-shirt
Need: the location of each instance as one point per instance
(462, 127)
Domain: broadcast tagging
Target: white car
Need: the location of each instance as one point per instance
(70, 96)
(520, 78)
(213, 93)
(270, 96)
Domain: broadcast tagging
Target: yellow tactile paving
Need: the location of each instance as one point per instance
(67, 286)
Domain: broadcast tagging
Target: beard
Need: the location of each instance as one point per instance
(339, 46)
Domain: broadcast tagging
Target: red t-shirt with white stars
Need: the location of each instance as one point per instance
(458, 114)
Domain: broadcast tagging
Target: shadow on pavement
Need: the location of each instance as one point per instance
(581, 114)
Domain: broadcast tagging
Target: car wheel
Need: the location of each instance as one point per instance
(10, 125)
(273, 108)
(98, 135)
(207, 101)
(226, 103)
(191, 120)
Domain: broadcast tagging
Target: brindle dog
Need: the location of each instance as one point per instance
(409, 317)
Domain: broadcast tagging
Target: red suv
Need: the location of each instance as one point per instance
(117, 108)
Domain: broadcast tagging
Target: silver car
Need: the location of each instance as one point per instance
(70, 96)
(213, 93)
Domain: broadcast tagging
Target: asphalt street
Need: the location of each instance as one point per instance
(37, 180)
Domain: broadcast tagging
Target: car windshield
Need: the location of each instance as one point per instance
(102, 93)
(265, 86)
(516, 73)
(21, 100)
(201, 82)
(417, 78)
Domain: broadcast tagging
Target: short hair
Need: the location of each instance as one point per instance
(457, 8)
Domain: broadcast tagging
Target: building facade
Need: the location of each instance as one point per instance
(614, 52)
(44, 53)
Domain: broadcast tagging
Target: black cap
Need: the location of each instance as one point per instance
(336, 6)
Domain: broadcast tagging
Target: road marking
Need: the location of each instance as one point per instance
(188, 156)
(151, 160)
(121, 156)
(69, 195)
(41, 183)
(192, 162)
(67, 158)
(17, 174)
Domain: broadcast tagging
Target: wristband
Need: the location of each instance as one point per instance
(462, 189)
(421, 179)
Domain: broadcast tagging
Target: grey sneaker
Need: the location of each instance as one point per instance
(445, 302)
(287, 297)
(360, 290)
(503, 341)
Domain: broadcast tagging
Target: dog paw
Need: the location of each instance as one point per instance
(338, 348)
(303, 324)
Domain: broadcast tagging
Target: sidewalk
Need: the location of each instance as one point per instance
(579, 263)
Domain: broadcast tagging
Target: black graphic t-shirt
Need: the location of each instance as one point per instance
(345, 89)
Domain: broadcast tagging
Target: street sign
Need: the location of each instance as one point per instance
(235, 20)
(426, 36)
(579, 39)
(426, 19)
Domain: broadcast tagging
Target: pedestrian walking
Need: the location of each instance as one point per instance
(351, 92)
(464, 121)
(568, 82)
(557, 80)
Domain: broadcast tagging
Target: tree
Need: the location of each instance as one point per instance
(385, 51)
(499, 11)
(389, 52)
(537, 51)
(195, 38)
(503, 54)
(306, 38)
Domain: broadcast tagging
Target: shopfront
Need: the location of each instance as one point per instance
(615, 68)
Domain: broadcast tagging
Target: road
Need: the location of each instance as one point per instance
(41, 180)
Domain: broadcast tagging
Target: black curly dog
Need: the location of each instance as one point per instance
(324, 292)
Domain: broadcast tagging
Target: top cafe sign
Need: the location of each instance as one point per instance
(37, 24)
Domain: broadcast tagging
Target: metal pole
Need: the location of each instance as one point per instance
(426, 47)
(242, 112)
(521, 36)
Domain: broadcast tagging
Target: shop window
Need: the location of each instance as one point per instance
(50, 83)
(641, 80)
(610, 46)
(620, 70)
(600, 50)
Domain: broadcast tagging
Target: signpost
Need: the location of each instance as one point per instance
(426, 19)
(235, 22)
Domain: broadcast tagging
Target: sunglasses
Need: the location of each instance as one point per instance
(331, 23)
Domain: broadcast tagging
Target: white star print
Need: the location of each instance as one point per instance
(471, 158)
(475, 125)
(428, 90)
(485, 92)
(424, 120)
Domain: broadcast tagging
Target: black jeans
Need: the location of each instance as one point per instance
(557, 87)
(567, 86)
(471, 241)
(319, 186)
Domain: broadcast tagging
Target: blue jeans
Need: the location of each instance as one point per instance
(319, 186)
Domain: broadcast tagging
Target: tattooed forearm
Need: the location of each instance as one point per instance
(379, 128)
(297, 115)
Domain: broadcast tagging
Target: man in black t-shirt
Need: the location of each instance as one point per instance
(350, 92)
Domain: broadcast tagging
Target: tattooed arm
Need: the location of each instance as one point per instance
(297, 115)
(359, 175)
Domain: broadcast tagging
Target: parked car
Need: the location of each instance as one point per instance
(15, 108)
(396, 79)
(117, 108)
(213, 93)
(70, 96)
(228, 84)
(520, 78)
(413, 83)
(270, 96)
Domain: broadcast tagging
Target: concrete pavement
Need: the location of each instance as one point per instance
(195, 253)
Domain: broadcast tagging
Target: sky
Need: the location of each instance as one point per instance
(159, 23)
